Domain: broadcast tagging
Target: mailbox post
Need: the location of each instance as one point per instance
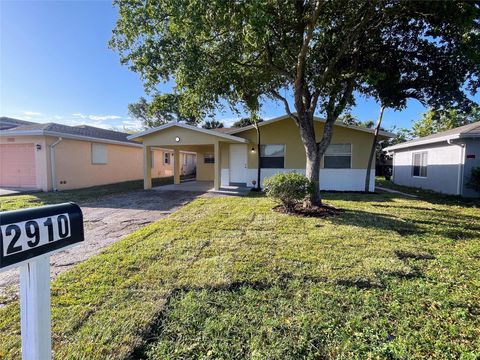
(27, 239)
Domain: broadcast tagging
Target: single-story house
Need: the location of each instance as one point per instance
(441, 162)
(58, 157)
(229, 156)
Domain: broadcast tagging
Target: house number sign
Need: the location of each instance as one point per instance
(27, 239)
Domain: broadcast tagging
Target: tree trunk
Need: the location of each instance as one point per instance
(312, 172)
(372, 150)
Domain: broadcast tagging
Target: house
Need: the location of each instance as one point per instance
(58, 157)
(441, 162)
(229, 156)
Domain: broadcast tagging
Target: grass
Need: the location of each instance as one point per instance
(227, 278)
(22, 201)
(424, 193)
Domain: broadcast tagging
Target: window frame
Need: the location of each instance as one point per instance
(209, 156)
(337, 155)
(166, 155)
(284, 156)
(92, 151)
(423, 156)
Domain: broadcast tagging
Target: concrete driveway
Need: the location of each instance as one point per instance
(4, 191)
(106, 220)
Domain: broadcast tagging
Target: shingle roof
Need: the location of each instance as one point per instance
(466, 131)
(9, 123)
(80, 130)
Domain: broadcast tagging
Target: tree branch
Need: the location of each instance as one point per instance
(277, 95)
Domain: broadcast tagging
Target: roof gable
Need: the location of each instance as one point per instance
(188, 127)
(285, 117)
(467, 131)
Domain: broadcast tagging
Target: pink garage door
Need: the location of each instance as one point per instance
(17, 165)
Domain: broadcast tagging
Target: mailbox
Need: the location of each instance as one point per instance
(27, 234)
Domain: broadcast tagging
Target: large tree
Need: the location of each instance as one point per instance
(212, 124)
(322, 51)
(434, 121)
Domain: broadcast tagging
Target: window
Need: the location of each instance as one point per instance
(419, 168)
(338, 156)
(272, 156)
(166, 158)
(99, 154)
(209, 159)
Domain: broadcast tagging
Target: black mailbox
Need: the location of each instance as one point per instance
(26, 234)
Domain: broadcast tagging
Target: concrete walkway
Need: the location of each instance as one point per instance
(395, 191)
(203, 186)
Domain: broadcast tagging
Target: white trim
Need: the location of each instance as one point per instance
(419, 142)
(225, 177)
(8, 133)
(283, 117)
(330, 179)
(189, 127)
(421, 153)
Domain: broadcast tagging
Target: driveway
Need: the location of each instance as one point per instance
(106, 221)
(13, 191)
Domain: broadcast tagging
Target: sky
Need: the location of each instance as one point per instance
(55, 66)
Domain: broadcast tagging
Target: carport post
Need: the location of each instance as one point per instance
(216, 178)
(176, 166)
(147, 167)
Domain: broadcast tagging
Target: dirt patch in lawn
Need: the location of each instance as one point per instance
(315, 211)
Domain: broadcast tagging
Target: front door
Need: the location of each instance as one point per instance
(238, 163)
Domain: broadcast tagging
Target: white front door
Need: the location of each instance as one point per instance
(238, 163)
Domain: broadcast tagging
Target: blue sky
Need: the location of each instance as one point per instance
(55, 66)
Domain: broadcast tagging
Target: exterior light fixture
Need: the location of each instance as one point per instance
(253, 150)
(177, 139)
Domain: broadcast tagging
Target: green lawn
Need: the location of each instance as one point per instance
(22, 201)
(228, 278)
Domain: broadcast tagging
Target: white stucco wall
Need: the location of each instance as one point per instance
(443, 164)
(472, 159)
(330, 179)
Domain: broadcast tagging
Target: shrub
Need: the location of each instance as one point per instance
(288, 188)
(474, 181)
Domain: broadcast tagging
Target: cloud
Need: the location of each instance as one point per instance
(132, 124)
(97, 117)
(57, 117)
(80, 115)
(103, 117)
(32, 113)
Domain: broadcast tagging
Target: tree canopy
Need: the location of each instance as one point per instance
(245, 122)
(434, 121)
(212, 124)
(231, 52)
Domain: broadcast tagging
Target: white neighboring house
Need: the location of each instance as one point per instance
(441, 162)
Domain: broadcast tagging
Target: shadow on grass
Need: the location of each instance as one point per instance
(377, 221)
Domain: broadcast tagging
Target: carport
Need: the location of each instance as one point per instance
(211, 147)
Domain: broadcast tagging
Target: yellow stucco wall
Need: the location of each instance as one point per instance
(285, 132)
(205, 172)
(74, 164)
(166, 137)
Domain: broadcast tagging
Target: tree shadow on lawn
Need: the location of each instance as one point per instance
(371, 220)
(284, 282)
(443, 225)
